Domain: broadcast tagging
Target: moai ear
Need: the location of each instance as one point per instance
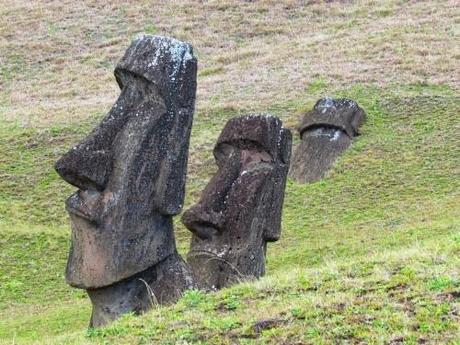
(272, 223)
(170, 185)
(181, 102)
(271, 218)
(285, 145)
(176, 82)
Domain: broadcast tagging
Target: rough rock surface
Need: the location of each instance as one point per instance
(325, 133)
(240, 208)
(160, 284)
(130, 172)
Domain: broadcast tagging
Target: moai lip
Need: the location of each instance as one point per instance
(326, 132)
(240, 208)
(130, 173)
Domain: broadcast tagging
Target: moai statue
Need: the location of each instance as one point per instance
(325, 133)
(240, 208)
(130, 172)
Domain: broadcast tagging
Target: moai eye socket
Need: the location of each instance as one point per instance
(251, 157)
(223, 152)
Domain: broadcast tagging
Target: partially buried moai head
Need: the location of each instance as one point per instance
(240, 208)
(130, 171)
(326, 132)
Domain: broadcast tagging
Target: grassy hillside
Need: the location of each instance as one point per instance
(369, 255)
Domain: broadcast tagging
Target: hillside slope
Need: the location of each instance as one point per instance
(371, 254)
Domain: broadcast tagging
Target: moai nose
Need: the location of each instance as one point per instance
(204, 223)
(207, 217)
(89, 164)
(85, 166)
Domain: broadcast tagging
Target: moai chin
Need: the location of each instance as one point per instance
(326, 132)
(130, 172)
(240, 208)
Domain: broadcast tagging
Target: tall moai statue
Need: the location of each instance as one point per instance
(240, 208)
(130, 172)
(326, 132)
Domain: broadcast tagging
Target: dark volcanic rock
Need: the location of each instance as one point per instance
(326, 131)
(131, 172)
(160, 284)
(240, 208)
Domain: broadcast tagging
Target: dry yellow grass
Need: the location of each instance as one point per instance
(57, 57)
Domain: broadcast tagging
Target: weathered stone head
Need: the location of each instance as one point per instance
(240, 208)
(326, 131)
(130, 171)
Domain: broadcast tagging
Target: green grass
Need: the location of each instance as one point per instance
(371, 301)
(369, 254)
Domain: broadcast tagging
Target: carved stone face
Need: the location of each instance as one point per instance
(326, 132)
(240, 209)
(130, 171)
